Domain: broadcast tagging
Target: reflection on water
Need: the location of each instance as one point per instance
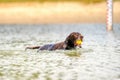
(97, 60)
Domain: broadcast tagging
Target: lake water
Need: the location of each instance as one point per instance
(98, 59)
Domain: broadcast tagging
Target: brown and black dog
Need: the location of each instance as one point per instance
(71, 42)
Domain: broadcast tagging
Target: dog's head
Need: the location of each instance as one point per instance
(74, 40)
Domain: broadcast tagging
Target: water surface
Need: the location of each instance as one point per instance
(99, 59)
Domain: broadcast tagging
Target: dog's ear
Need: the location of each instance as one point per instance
(69, 42)
(69, 38)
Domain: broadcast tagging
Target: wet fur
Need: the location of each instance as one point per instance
(68, 44)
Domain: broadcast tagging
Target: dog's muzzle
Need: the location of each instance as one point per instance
(78, 43)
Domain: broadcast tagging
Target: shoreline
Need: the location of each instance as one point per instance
(58, 12)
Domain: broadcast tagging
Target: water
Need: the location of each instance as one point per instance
(99, 59)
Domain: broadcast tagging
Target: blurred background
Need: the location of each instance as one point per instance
(56, 11)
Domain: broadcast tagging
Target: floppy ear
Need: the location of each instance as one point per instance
(69, 38)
